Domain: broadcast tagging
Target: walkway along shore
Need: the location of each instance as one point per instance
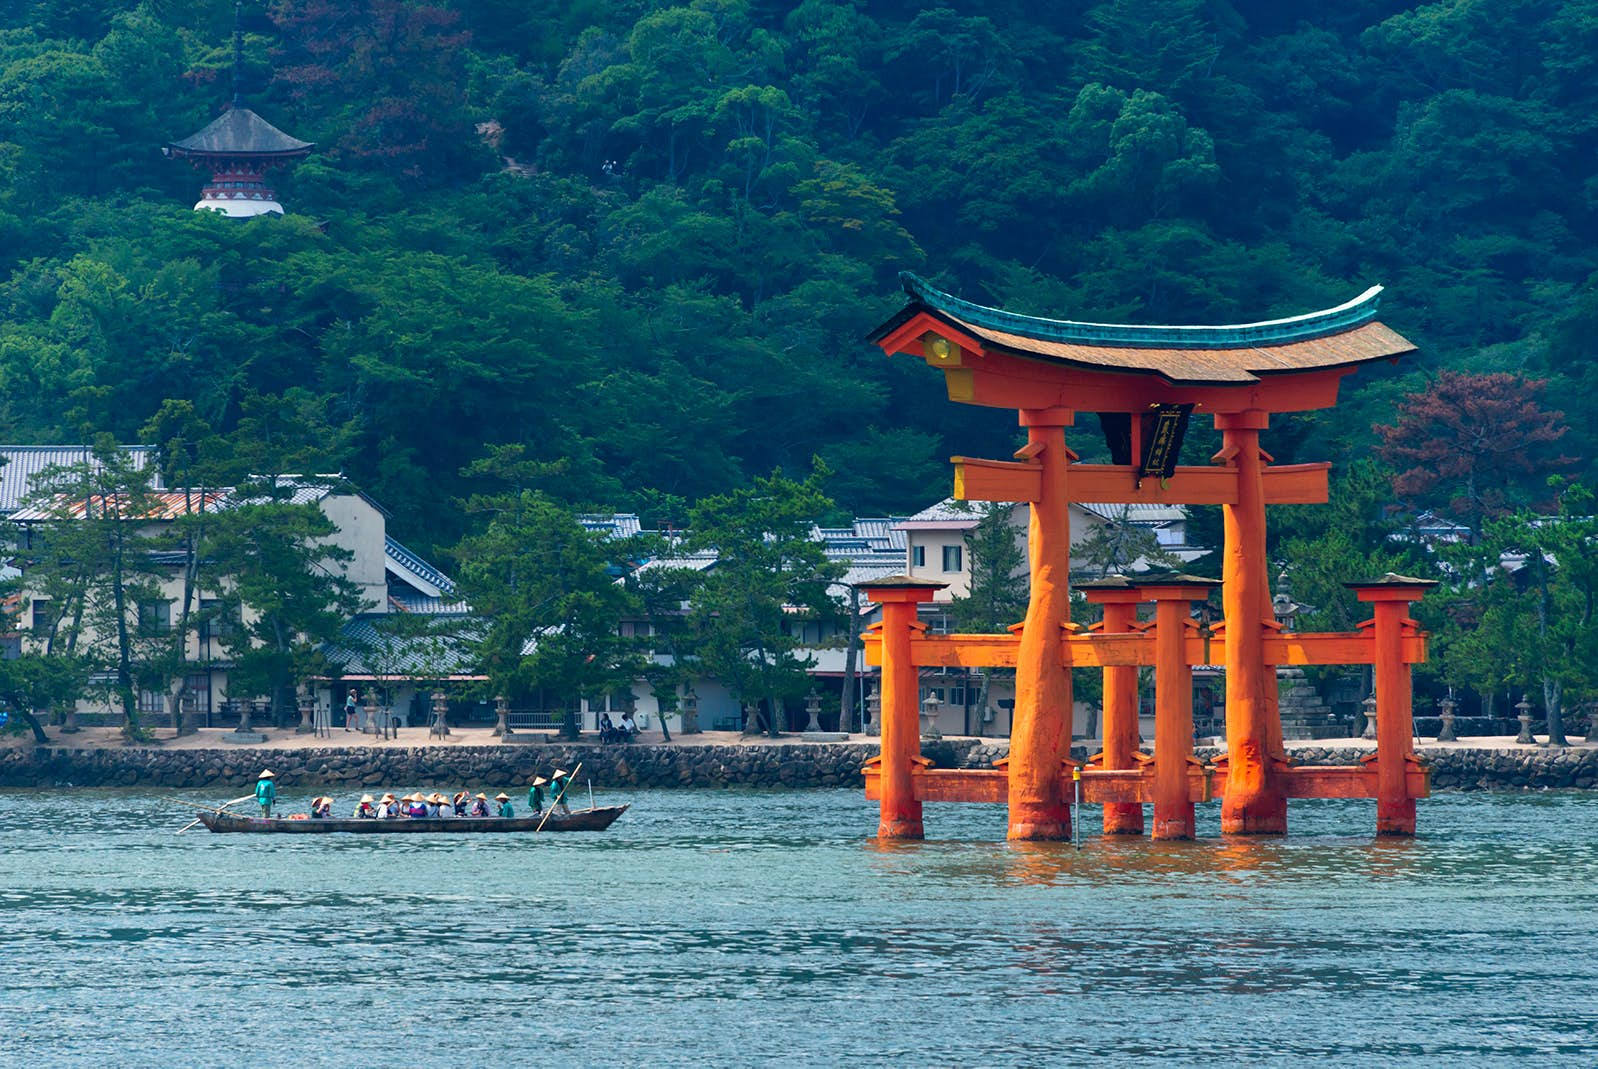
(1478, 764)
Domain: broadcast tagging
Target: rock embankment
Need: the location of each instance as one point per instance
(742, 765)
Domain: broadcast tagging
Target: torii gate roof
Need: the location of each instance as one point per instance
(1228, 355)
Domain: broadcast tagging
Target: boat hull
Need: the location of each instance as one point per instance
(579, 820)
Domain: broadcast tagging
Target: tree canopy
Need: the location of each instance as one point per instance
(643, 242)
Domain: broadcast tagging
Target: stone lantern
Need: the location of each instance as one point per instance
(307, 709)
(501, 711)
(1523, 709)
(440, 727)
(929, 717)
(1369, 705)
(812, 710)
(1446, 714)
(1592, 723)
(690, 711)
(244, 707)
(874, 710)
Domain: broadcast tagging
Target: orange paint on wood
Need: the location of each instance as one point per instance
(1040, 733)
(901, 721)
(1120, 713)
(1254, 805)
(1173, 711)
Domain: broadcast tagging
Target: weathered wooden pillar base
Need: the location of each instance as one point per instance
(1395, 818)
(903, 827)
(1123, 818)
(1178, 823)
(1040, 821)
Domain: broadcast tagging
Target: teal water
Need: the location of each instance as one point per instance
(718, 928)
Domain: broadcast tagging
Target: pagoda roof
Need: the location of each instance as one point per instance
(1233, 354)
(239, 132)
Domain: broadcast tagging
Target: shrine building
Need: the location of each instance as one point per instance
(1144, 383)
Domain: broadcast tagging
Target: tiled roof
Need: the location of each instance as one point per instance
(161, 505)
(881, 531)
(946, 514)
(239, 132)
(1198, 355)
(369, 649)
(616, 525)
(422, 605)
(406, 562)
(1137, 512)
(25, 462)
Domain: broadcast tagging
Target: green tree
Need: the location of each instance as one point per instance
(770, 574)
(549, 589)
(278, 581)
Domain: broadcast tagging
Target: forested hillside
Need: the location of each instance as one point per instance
(644, 241)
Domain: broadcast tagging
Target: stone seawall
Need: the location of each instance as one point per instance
(743, 765)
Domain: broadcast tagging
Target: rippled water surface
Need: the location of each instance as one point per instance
(731, 928)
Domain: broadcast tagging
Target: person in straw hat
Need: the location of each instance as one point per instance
(535, 795)
(321, 807)
(418, 805)
(367, 809)
(461, 802)
(388, 806)
(560, 784)
(505, 808)
(265, 792)
(480, 805)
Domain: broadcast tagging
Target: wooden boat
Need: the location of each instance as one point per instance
(579, 820)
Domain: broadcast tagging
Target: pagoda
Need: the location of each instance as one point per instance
(238, 148)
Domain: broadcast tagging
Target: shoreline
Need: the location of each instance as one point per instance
(713, 760)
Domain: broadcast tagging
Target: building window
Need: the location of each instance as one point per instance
(218, 620)
(43, 617)
(918, 556)
(155, 617)
(10, 647)
(152, 701)
(951, 558)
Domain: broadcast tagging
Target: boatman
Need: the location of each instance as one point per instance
(505, 808)
(265, 792)
(560, 783)
(535, 795)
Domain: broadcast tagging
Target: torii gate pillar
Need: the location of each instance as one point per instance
(901, 700)
(1255, 802)
(1040, 733)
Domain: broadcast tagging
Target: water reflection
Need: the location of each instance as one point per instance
(701, 912)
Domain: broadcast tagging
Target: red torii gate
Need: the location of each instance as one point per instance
(1049, 370)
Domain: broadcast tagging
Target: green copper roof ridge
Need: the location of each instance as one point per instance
(1350, 314)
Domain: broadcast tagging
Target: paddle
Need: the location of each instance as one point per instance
(564, 788)
(192, 823)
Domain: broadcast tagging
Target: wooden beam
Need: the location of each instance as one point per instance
(996, 480)
(1117, 484)
(1332, 647)
(1097, 650)
(1335, 781)
(991, 785)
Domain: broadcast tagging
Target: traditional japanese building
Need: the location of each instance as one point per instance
(238, 148)
(1144, 383)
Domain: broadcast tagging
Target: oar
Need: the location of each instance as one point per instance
(192, 823)
(559, 796)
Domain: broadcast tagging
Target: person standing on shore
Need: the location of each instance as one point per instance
(349, 711)
(265, 792)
